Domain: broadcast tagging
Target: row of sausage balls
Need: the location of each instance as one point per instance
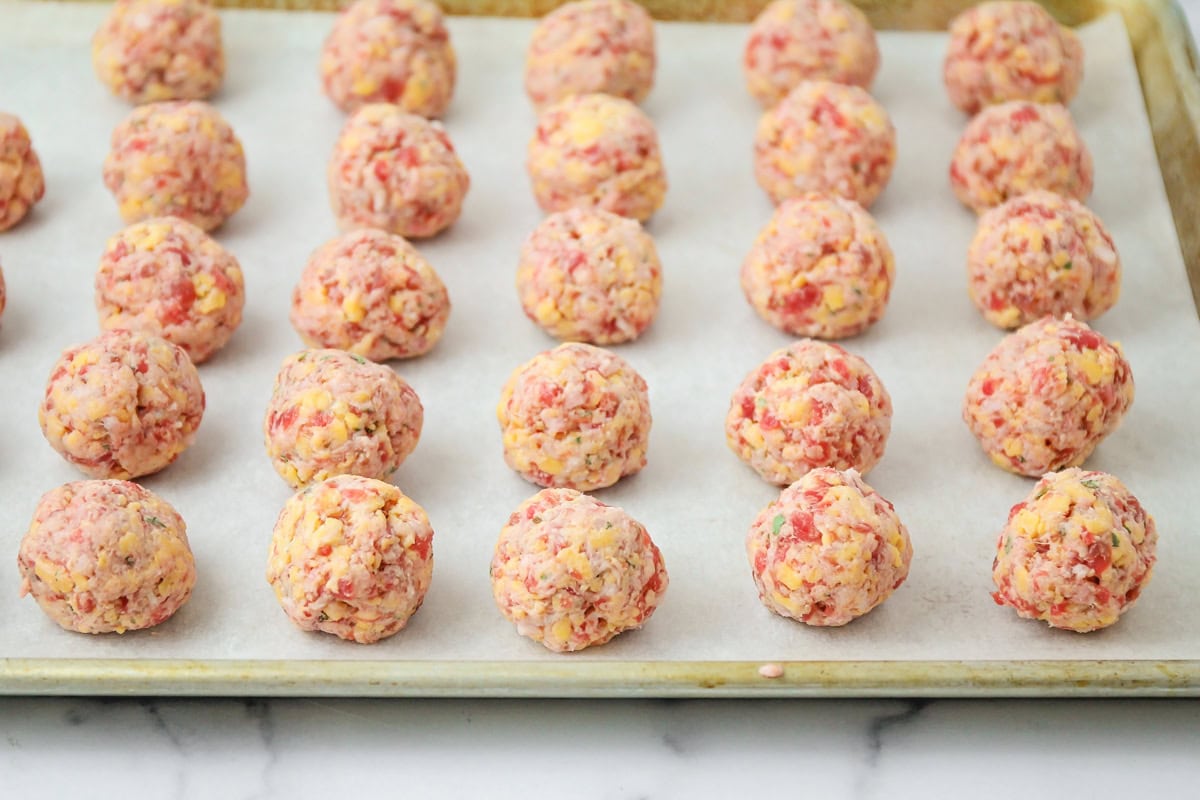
(1076, 553)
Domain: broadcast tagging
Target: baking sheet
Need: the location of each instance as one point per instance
(695, 497)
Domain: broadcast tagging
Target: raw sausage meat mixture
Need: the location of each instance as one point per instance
(397, 172)
(1042, 254)
(591, 46)
(21, 180)
(575, 416)
(586, 275)
(1011, 51)
(351, 556)
(335, 413)
(571, 572)
(123, 405)
(825, 138)
(167, 277)
(1047, 395)
(106, 556)
(792, 41)
(829, 550)
(1076, 552)
(370, 293)
(1013, 148)
(821, 267)
(809, 405)
(146, 51)
(390, 51)
(598, 151)
(176, 159)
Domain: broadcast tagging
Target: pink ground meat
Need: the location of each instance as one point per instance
(825, 138)
(1047, 395)
(390, 51)
(1076, 553)
(169, 278)
(577, 417)
(1014, 148)
(597, 151)
(828, 550)
(123, 405)
(21, 182)
(106, 556)
(792, 41)
(146, 51)
(586, 275)
(176, 159)
(1011, 51)
(3, 293)
(397, 172)
(821, 268)
(571, 572)
(1042, 254)
(591, 46)
(351, 556)
(809, 405)
(370, 293)
(335, 413)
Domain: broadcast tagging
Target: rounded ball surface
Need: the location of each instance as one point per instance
(351, 556)
(577, 417)
(334, 413)
(123, 405)
(571, 572)
(22, 183)
(821, 268)
(370, 293)
(1076, 553)
(809, 405)
(106, 556)
(828, 550)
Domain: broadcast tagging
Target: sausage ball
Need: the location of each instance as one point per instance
(176, 159)
(390, 51)
(1042, 254)
(792, 41)
(810, 404)
(1076, 552)
(169, 278)
(571, 572)
(1011, 51)
(597, 151)
(821, 268)
(351, 556)
(1014, 148)
(1047, 395)
(591, 46)
(576, 416)
(21, 181)
(146, 51)
(123, 405)
(106, 556)
(586, 275)
(335, 413)
(825, 138)
(370, 293)
(397, 172)
(828, 550)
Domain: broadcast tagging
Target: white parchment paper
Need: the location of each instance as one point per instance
(695, 497)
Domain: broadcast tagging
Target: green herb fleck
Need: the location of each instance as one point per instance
(1021, 459)
(1091, 484)
(1068, 265)
(1041, 493)
(537, 520)
(156, 522)
(776, 524)
(607, 525)
(322, 617)
(1116, 540)
(358, 358)
(578, 440)
(1007, 545)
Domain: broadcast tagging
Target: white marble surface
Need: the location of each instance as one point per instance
(237, 750)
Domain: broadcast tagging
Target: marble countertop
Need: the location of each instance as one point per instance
(241, 749)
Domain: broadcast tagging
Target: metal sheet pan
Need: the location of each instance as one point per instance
(1165, 57)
